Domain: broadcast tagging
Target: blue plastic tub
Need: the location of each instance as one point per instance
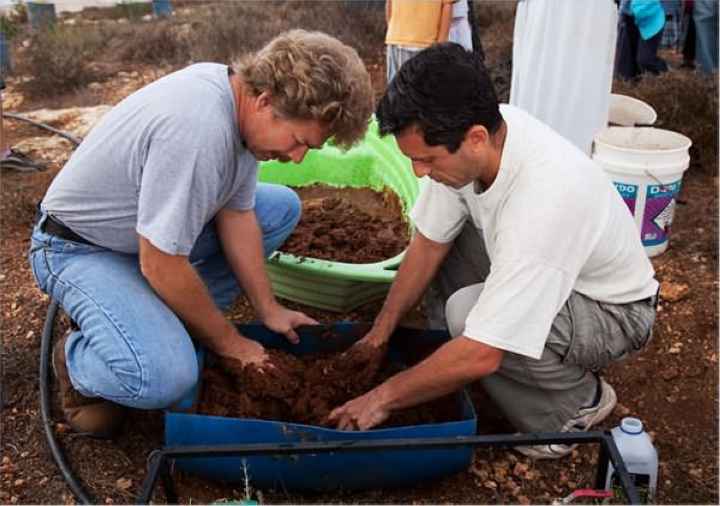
(322, 471)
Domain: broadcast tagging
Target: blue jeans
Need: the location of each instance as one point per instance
(131, 348)
(705, 17)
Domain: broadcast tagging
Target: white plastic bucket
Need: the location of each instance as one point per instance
(629, 111)
(646, 165)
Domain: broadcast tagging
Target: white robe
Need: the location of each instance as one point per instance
(563, 55)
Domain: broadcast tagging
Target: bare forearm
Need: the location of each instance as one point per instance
(454, 365)
(421, 262)
(242, 244)
(180, 287)
(241, 240)
(178, 284)
(445, 20)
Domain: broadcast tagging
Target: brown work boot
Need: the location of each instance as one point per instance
(93, 416)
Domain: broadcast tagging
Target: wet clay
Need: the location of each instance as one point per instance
(352, 225)
(305, 389)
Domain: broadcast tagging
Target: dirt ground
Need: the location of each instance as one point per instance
(672, 386)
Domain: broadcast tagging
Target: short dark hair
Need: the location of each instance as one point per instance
(444, 90)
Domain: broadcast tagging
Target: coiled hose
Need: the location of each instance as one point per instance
(44, 380)
(71, 138)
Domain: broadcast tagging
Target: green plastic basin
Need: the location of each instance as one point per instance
(375, 163)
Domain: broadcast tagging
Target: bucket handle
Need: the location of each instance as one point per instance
(634, 125)
(654, 177)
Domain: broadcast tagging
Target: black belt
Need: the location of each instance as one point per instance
(54, 227)
(653, 300)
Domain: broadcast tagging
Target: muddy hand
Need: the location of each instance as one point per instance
(284, 321)
(246, 352)
(361, 413)
(366, 355)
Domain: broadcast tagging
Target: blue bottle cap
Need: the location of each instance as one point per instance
(631, 425)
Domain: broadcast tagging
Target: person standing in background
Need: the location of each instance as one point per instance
(475, 30)
(413, 25)
(463, 27)
(705, 16)
(672, 33)
(460, 31)
(640, 33)
(563, 54)
(688, 36)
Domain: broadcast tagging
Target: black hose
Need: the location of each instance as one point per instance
(474, 30)
(44, 379)
(44, 373)
(71, 138)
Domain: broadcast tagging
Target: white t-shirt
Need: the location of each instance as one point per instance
(552, 223)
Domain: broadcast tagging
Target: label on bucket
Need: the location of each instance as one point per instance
(628, 192)
(659, 212)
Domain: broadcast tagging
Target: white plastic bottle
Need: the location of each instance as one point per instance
(639, 455)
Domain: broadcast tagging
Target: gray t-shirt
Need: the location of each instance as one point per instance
(161, 164)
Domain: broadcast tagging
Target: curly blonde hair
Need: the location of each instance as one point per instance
(313, 76)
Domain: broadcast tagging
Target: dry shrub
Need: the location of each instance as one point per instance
(212, 32)
(358, 23)
(127, 10)
(59, 59)
(222, 32)
(495, 20)
(225, 31)
(686, 102)
(159, 42)
(492, 12)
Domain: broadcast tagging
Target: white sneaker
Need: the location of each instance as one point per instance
(583, 421)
